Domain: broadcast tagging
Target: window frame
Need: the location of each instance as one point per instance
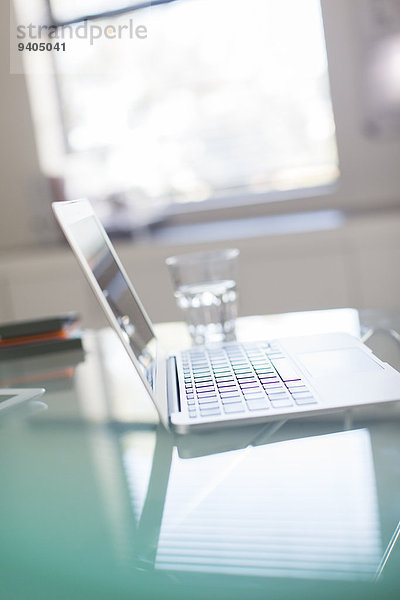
(101, 15)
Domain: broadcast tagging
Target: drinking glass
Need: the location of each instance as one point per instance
(206, 291)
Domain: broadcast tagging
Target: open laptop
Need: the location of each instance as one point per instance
(225, 384)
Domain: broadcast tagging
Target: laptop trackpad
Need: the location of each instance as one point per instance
(338, 362)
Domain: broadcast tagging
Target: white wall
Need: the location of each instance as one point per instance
(370, 171)
(24, 193)
(355, 265)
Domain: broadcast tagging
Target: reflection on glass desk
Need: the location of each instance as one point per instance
(304, 509)
(99, 501)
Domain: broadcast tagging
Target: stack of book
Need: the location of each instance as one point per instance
(40, 336)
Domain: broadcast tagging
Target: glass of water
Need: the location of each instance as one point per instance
(205, 289)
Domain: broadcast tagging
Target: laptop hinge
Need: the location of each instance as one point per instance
(174, 404)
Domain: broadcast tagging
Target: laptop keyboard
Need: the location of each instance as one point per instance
(241, 378)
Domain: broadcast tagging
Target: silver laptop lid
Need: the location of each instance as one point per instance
(115, 292)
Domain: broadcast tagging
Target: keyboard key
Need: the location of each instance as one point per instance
(275, 395)
(208, 404)
(230, 394)
(190, 401)
(257, 404)
(285, 369)
(274, 385)
(210, 412)
(235, 407)
(226, 388)
(227, 391)
(231, 400)
(295, 385)
(252, 395)
(281, 403)
(230, 397)
(208, 395)
(204, 387)
(207, 400)
(249, 386)
(305, 400)
(304, 394)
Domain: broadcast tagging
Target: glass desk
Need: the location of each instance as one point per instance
(99, 501)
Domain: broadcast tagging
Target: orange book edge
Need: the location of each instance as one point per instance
(62, 334)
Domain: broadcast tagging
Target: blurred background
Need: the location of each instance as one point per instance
(269, 125)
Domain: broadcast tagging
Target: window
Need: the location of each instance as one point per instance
(66, 11)
(220, 99)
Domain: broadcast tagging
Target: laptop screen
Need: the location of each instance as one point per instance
(90, 239)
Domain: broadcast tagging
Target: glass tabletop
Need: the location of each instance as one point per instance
(99, 501)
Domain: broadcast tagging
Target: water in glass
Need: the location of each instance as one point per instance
(210, 310)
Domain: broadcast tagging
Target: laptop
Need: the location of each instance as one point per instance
(224, 384)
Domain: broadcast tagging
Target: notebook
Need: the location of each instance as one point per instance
(226, 384)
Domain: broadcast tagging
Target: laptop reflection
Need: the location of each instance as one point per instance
(300, 508)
